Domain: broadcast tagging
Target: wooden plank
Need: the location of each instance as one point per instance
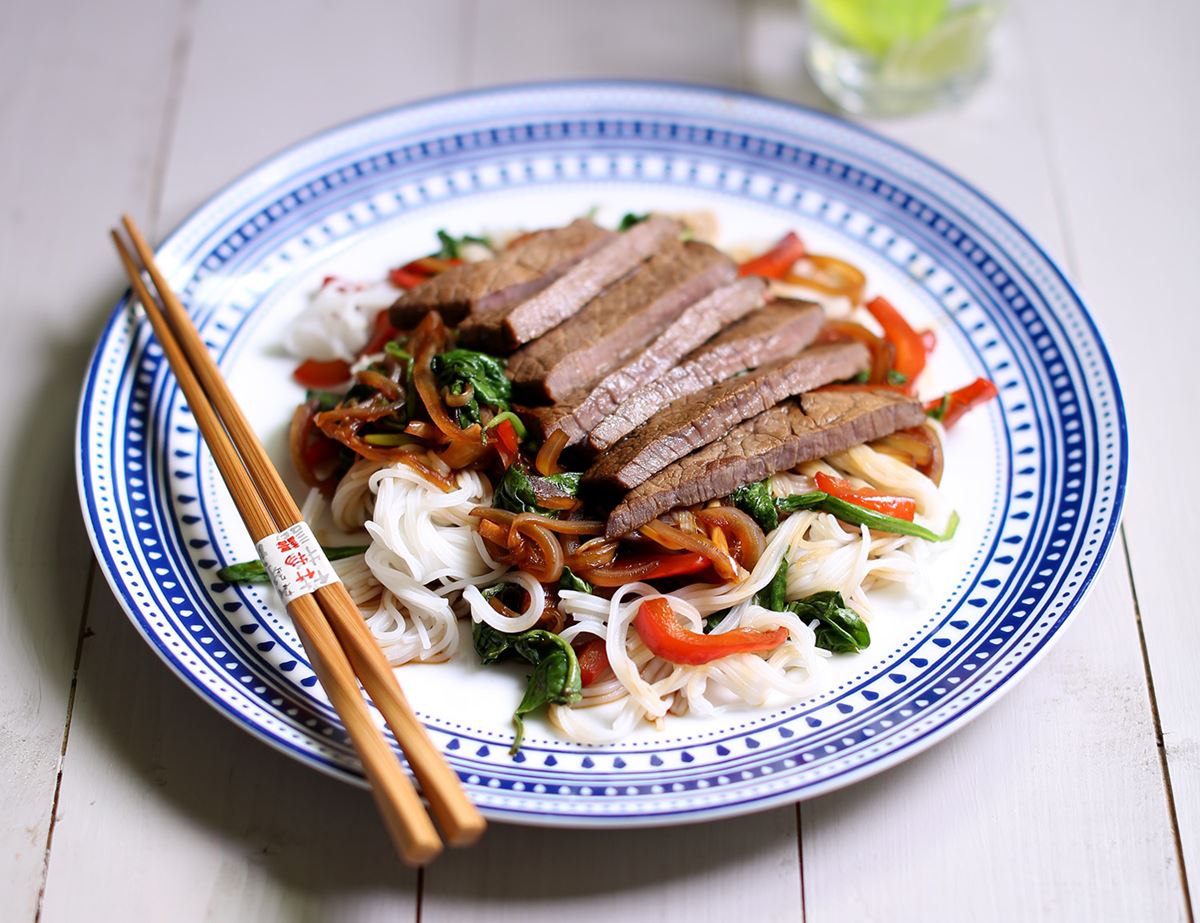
(169, 811)
(222, 826)
(1047, 807)
(1124, 146)
(266, 75)
(547, 40)
(746, 866)
(1003, 818)
(80, 123)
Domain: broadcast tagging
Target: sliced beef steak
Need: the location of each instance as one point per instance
(695, 421)
(504, 329)
(780, 330)
(580, 412)
(511, 276)
(618, 323)
(813, 426)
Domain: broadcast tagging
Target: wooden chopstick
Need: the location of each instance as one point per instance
(404, 815)
(460, 820)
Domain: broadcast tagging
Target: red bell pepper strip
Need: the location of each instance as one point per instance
(900, 507)
(910, 345)
(776, 262)
(952, 406)
(382, 333)
(593, 661)
(319, 450)
(507, 444)
(313, 373)
(673, 565)
(659, 630)
(403, 278)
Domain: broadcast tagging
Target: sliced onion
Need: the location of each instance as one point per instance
(618, 574)
(381, 383)
(547, 565)
(458, 400)
(427, 341)
(423, 430)
(675, 540)
(546, 462)
(563, 526)
(830, 275)
(569, 504)
(596, 552)
(745, 537)
(883, 353)
(465, 449)
(297, 430)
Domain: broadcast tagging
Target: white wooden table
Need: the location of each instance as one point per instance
(124, 797)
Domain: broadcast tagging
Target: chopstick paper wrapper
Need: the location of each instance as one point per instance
(295, 562)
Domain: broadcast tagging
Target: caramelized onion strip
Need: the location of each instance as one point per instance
(675, 540)
(546, 462)
(746, 539)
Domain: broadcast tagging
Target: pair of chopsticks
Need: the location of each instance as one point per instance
(338, 643)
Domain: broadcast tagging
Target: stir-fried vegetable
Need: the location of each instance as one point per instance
(520, 491)
(629, 219)
(570, 581)
(593, 661)
(555, 679)
(899, 507)
(471, 379)
(508, 442)
(861, 516)
(661, 632)
(774, 595)
(755, 499)
(452, 247)
(830, 275)
(950, 408)
(314, 373)
(841, 630)
(909, 345)
(776, 262)
(255, 572)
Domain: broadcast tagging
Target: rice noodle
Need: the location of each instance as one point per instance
(424, 551)
(338, 320)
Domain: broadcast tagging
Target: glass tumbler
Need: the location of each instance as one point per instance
(896, 57)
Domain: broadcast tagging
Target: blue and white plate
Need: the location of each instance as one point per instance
(1038, 476)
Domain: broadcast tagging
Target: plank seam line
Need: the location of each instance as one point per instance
(181, 54)
(62, 750)
(420, 892)
(1163, 763)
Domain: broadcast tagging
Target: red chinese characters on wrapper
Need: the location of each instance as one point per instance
(295, 562)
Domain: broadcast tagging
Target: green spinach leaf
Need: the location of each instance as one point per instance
(555, 679)
(629, 219)
(451, 247)
(570, 581)
(857, 515)
(774, 595)
(459, 369)
(518, 490)
(755, 499)
(841, 630)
